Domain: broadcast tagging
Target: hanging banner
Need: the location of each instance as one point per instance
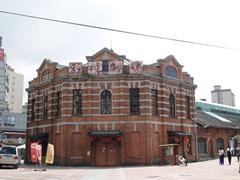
(115, 67)
(1, 54)
(135, 67)
(75, 68)
(50, 154)
(39, 153)
(33, 150)
(94, 67)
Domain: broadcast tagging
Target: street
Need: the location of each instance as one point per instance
(207, 170)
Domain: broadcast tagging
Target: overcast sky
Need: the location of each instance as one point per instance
(28, 41)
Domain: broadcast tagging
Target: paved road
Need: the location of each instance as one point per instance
(207, 170)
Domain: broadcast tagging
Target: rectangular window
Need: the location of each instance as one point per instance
(134, 100)
(33, 109)
(77, 102)
(58, 104)
(188, 107)
(105, 66)
(154, 102)
(9, 121)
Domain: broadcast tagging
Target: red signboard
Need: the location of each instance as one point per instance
(1, 54)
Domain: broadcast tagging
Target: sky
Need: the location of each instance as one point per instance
(28, 41)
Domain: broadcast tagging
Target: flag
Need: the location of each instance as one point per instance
(50, 154)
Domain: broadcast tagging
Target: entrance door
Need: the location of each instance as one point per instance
(106, 153)
(112, 154)
(100, 156)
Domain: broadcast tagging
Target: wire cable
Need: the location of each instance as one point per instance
(117, 30)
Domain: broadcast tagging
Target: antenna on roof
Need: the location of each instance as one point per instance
(111, 45)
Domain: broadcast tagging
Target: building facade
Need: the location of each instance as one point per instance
(15, 90)
(218, 126)
(223, 96)
(13, 128)
(112, 111)
(3, 81)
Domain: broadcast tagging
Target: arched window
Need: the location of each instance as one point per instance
(45, 107)
(105, 66)
(202, 147)
(219, 143)
(172, 106)
(171, 72)
(106, 102)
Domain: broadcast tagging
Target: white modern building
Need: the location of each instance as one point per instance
(223, 96)
(15, 92)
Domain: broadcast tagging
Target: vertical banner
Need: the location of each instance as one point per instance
(1, 54)
(135, 67)
(75, 68)
(33, 150)
(94, 67)
(39, 153)
(50, 154)
(115, 67)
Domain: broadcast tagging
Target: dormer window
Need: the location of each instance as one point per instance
(171, 72)
(105, 66)
(46, 76)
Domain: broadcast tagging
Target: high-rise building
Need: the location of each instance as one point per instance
(15, 93)
(223, 96)
(3, 80)
(11, 86)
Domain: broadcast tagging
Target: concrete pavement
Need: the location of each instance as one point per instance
(207, 170)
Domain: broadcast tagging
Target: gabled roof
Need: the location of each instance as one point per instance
(217, 120)
(90, 58)
(168, 58)
(48, 61)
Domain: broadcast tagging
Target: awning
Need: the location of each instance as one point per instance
(105, 133)
(178, 133)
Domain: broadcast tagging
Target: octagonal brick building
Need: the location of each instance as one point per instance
(113, 111)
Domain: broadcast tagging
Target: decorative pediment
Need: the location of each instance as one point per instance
(105, 54)
(170, 61)
(46, 70)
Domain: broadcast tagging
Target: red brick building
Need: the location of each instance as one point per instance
(218, 126)
(113, 111)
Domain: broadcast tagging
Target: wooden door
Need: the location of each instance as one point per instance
(112, 154)
(100, 153)
(107, 153)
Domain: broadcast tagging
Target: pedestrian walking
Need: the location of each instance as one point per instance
(229, 155)
(238, 153)
(221, 156)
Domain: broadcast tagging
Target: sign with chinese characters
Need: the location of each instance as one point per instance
(75, 68)
(50, 154)
(1, 54)
(95, 67)
(115, 67)
(135, 67)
